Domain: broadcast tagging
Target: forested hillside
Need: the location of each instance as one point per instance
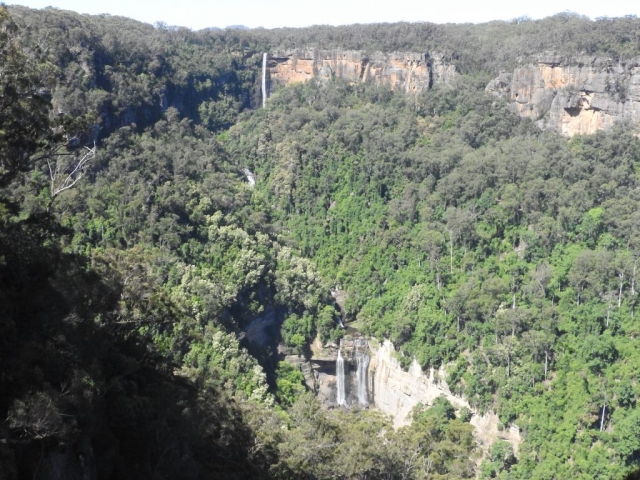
(486, 47)
(468, 237)
(134, 253)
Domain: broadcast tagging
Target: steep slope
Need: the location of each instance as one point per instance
(471, 239)
(479, 245)
(128, 300)
(409, 72)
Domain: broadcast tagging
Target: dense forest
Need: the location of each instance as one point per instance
(134, 254)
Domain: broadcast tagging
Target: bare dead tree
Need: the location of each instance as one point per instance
(67, 170)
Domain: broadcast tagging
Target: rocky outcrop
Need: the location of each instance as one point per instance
(391, 389)
(488, 431)
(411, 72)
(321, 373)
(573, 96)
(397, 392)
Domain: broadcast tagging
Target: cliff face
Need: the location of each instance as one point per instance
(573, 96)
(321, 373)
(411, 72)
(390, 389)
(397, 392)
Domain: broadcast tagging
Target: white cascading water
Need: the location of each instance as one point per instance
(342, 400)
(362, 361)
(264, 80)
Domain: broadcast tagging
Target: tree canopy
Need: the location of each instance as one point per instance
(459, 231)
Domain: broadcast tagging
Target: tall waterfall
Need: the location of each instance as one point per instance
(264, 80)
(362, 362)
(342, 398)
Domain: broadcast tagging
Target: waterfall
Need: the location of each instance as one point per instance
(264, 80)
(362, 361)
(251, 178)
(342, 399)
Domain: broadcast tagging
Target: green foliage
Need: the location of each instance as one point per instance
(473, 48)
(297, 331)
(363, 444)
(498, 462)
(448, 225)
(121, 306)
(289, 382)
(518, 269)
(446, 442)
(465, 414)
(219, 361)
(128, 73)
(441, 410)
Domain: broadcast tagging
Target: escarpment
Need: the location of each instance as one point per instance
(411, 72)
(578, 95)
(365, 373)
(575, 95)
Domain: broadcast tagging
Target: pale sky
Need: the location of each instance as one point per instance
(197, 14)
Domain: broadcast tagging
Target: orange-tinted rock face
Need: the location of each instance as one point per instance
(410, 72)
(575, 96)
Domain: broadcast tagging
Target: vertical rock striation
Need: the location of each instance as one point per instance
(397, 392)
(411, 72)
(573, 96)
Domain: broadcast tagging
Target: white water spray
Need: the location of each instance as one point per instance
(342, 399)
(362, 361)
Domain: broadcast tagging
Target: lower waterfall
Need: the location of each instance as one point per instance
(362, 361)
(341, 400)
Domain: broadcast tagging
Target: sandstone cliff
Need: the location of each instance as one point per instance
(573, 96)
(391, 389)
(410, 72)
(397, 392)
